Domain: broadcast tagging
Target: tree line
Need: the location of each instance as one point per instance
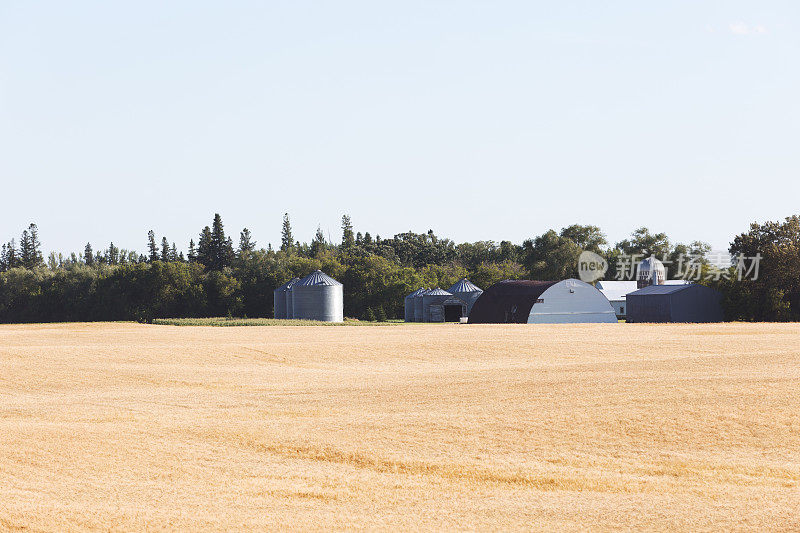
(218, 277)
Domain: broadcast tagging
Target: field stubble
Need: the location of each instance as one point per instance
(128, 426)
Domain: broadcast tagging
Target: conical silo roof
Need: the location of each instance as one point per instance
(467, 291)
(438, 292)
(416, 293)
(317, 277)
(464, 285)
(288, 284)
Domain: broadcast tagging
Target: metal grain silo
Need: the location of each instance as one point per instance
(651, 272)
(279, 298)
(432, 301)
(318, 297)
(418, 313)
(289, 309)
(409, 305)
(467, 291)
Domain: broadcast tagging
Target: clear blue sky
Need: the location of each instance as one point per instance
(481, 120)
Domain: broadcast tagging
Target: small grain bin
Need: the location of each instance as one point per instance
(289, 308)
(419, 316)
(436, 302)
(279, 298)
(467, 291)
(318, 297)
(408, 302)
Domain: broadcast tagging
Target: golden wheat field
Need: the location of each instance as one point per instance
(661, 427)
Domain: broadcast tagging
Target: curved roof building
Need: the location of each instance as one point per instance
(542, 302)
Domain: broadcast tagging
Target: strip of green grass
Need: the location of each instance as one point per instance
(222, 321)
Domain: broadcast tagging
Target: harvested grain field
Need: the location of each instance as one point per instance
(127, 426)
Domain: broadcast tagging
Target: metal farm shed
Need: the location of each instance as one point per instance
(318, 297)
(408, 305)
(542, 302)
(675, 303)
(466, 291)
(279, 298)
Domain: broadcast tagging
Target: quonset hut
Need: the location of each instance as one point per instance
(467, 291)
(279, 299)
(440, 306)
(408, 305)
(542, 302)
(675, 303)
(318, 297)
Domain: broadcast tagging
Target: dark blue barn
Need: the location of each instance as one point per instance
(674, 303)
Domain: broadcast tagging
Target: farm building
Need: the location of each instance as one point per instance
(318, 297)
(408, 305)
(439, 305)
(674, 303)
(541, 302)
(279, 298)
(467, 291)
(615, 292)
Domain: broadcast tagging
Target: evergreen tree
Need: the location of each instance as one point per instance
(152, 247)
(9, 258)
(164, 249)
(246, 243)
(318, 244)
(25, 249)
(173, 253)
(113, 254)
(192, 251)
(204, 253)
(88, 255)
(220, 247)
(348, 238)
(380, 314)
(30, 253)
(369, 315)
(228, 253)
(287, 239)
